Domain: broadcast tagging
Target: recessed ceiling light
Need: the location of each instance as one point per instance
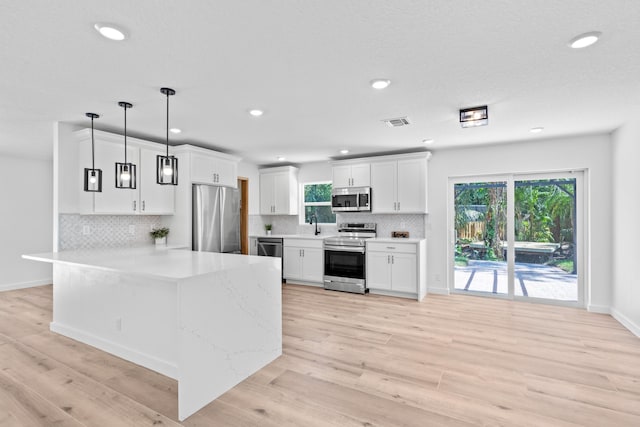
(281, 158)
(536, 130)
(428, 141)
(110, 31)
(256, 113)
(584, 40)
(175, 130)
(380, 83)
(344, 151)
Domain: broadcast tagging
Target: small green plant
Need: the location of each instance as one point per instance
(159, 233)
(267, 227)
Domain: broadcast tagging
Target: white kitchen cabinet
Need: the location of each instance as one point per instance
(279, 191)
(399, 186)
(303, 260)
(397, 268)
(155, 199)
(209, 169)
(148, 197)
(351, 175)
(110, 200)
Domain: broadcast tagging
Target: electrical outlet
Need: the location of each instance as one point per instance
(132, 229)
(437, 277)
(119, 324)
(86, 230)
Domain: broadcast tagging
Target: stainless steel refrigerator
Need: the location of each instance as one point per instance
(216, 219)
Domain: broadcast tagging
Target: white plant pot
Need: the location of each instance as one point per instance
(268, 232)
(161, 241)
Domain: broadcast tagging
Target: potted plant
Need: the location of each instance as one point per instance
(267, 228)
(160, 234)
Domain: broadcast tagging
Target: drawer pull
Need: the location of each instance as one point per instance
(391, 247)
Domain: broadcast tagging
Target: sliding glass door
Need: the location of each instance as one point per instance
(481, 233)
(518, 236)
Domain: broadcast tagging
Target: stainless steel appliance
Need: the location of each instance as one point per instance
(351, 199)
(216, 219)
(345, 258)
(270, 246)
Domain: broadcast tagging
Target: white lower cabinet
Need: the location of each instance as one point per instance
(303, 260)
(397, 268)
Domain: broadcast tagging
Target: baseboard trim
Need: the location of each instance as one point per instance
(303, 283)
(626, 322)
(384, 292)
(22, 285)
(438, 291)
(129, 354)
(604, 309)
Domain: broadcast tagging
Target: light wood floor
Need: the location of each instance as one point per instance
(348, 360)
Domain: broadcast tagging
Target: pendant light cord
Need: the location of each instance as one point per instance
(167, 124)
(93, 151)
(125, 134)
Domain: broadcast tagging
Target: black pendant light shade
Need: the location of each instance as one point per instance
(125, 172)
(93, 176)
(167, 166)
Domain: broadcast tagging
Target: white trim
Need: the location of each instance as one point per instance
(603, 309)
(22, 285)
(626, 322)
(438, 291)
(158, 365)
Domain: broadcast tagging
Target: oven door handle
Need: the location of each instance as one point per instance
(359, 249)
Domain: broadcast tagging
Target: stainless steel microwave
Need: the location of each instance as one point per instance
(351, 199)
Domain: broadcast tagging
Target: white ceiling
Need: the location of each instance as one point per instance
(308, 65)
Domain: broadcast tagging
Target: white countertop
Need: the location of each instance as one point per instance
(395, 240)
(150, 261)
(322, 237)
(295, 236)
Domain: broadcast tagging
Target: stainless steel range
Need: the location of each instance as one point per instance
(344, 258)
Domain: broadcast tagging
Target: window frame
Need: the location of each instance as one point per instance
(303, 204)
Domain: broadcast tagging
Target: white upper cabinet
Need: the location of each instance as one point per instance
(400, 186)
(351, 175)
(110, 200)
(384, 183)
(148, 197)
(279, 191)
(210, 169)
(155, 199)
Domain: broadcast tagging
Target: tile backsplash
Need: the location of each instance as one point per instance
(105, 231)
(289, 224)
(414, 224)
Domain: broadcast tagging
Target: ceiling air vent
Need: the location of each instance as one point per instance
(394, 123)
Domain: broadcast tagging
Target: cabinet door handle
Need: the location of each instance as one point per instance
(394, 206)
(398, 205)
(144, 206)
(388, 259)
(391, 247)
(393, 261)
(134, 205)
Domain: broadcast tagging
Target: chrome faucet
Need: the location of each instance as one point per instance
(311, 219)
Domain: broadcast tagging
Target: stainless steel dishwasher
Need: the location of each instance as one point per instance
(271, 246)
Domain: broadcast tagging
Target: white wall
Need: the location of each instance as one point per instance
(625, 304)
(581, 152)
(26, 198)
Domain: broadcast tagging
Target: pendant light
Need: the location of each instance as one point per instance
(93, 176)
(125, 172)
(167, 166)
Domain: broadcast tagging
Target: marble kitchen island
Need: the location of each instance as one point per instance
(207, 320)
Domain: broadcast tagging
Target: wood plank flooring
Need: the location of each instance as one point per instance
(349, 360)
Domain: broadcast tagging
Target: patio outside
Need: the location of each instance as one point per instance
(544, 218)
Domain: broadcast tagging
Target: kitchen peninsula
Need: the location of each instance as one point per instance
(208, 320)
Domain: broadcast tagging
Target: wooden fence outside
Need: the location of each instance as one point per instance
(472, 231)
